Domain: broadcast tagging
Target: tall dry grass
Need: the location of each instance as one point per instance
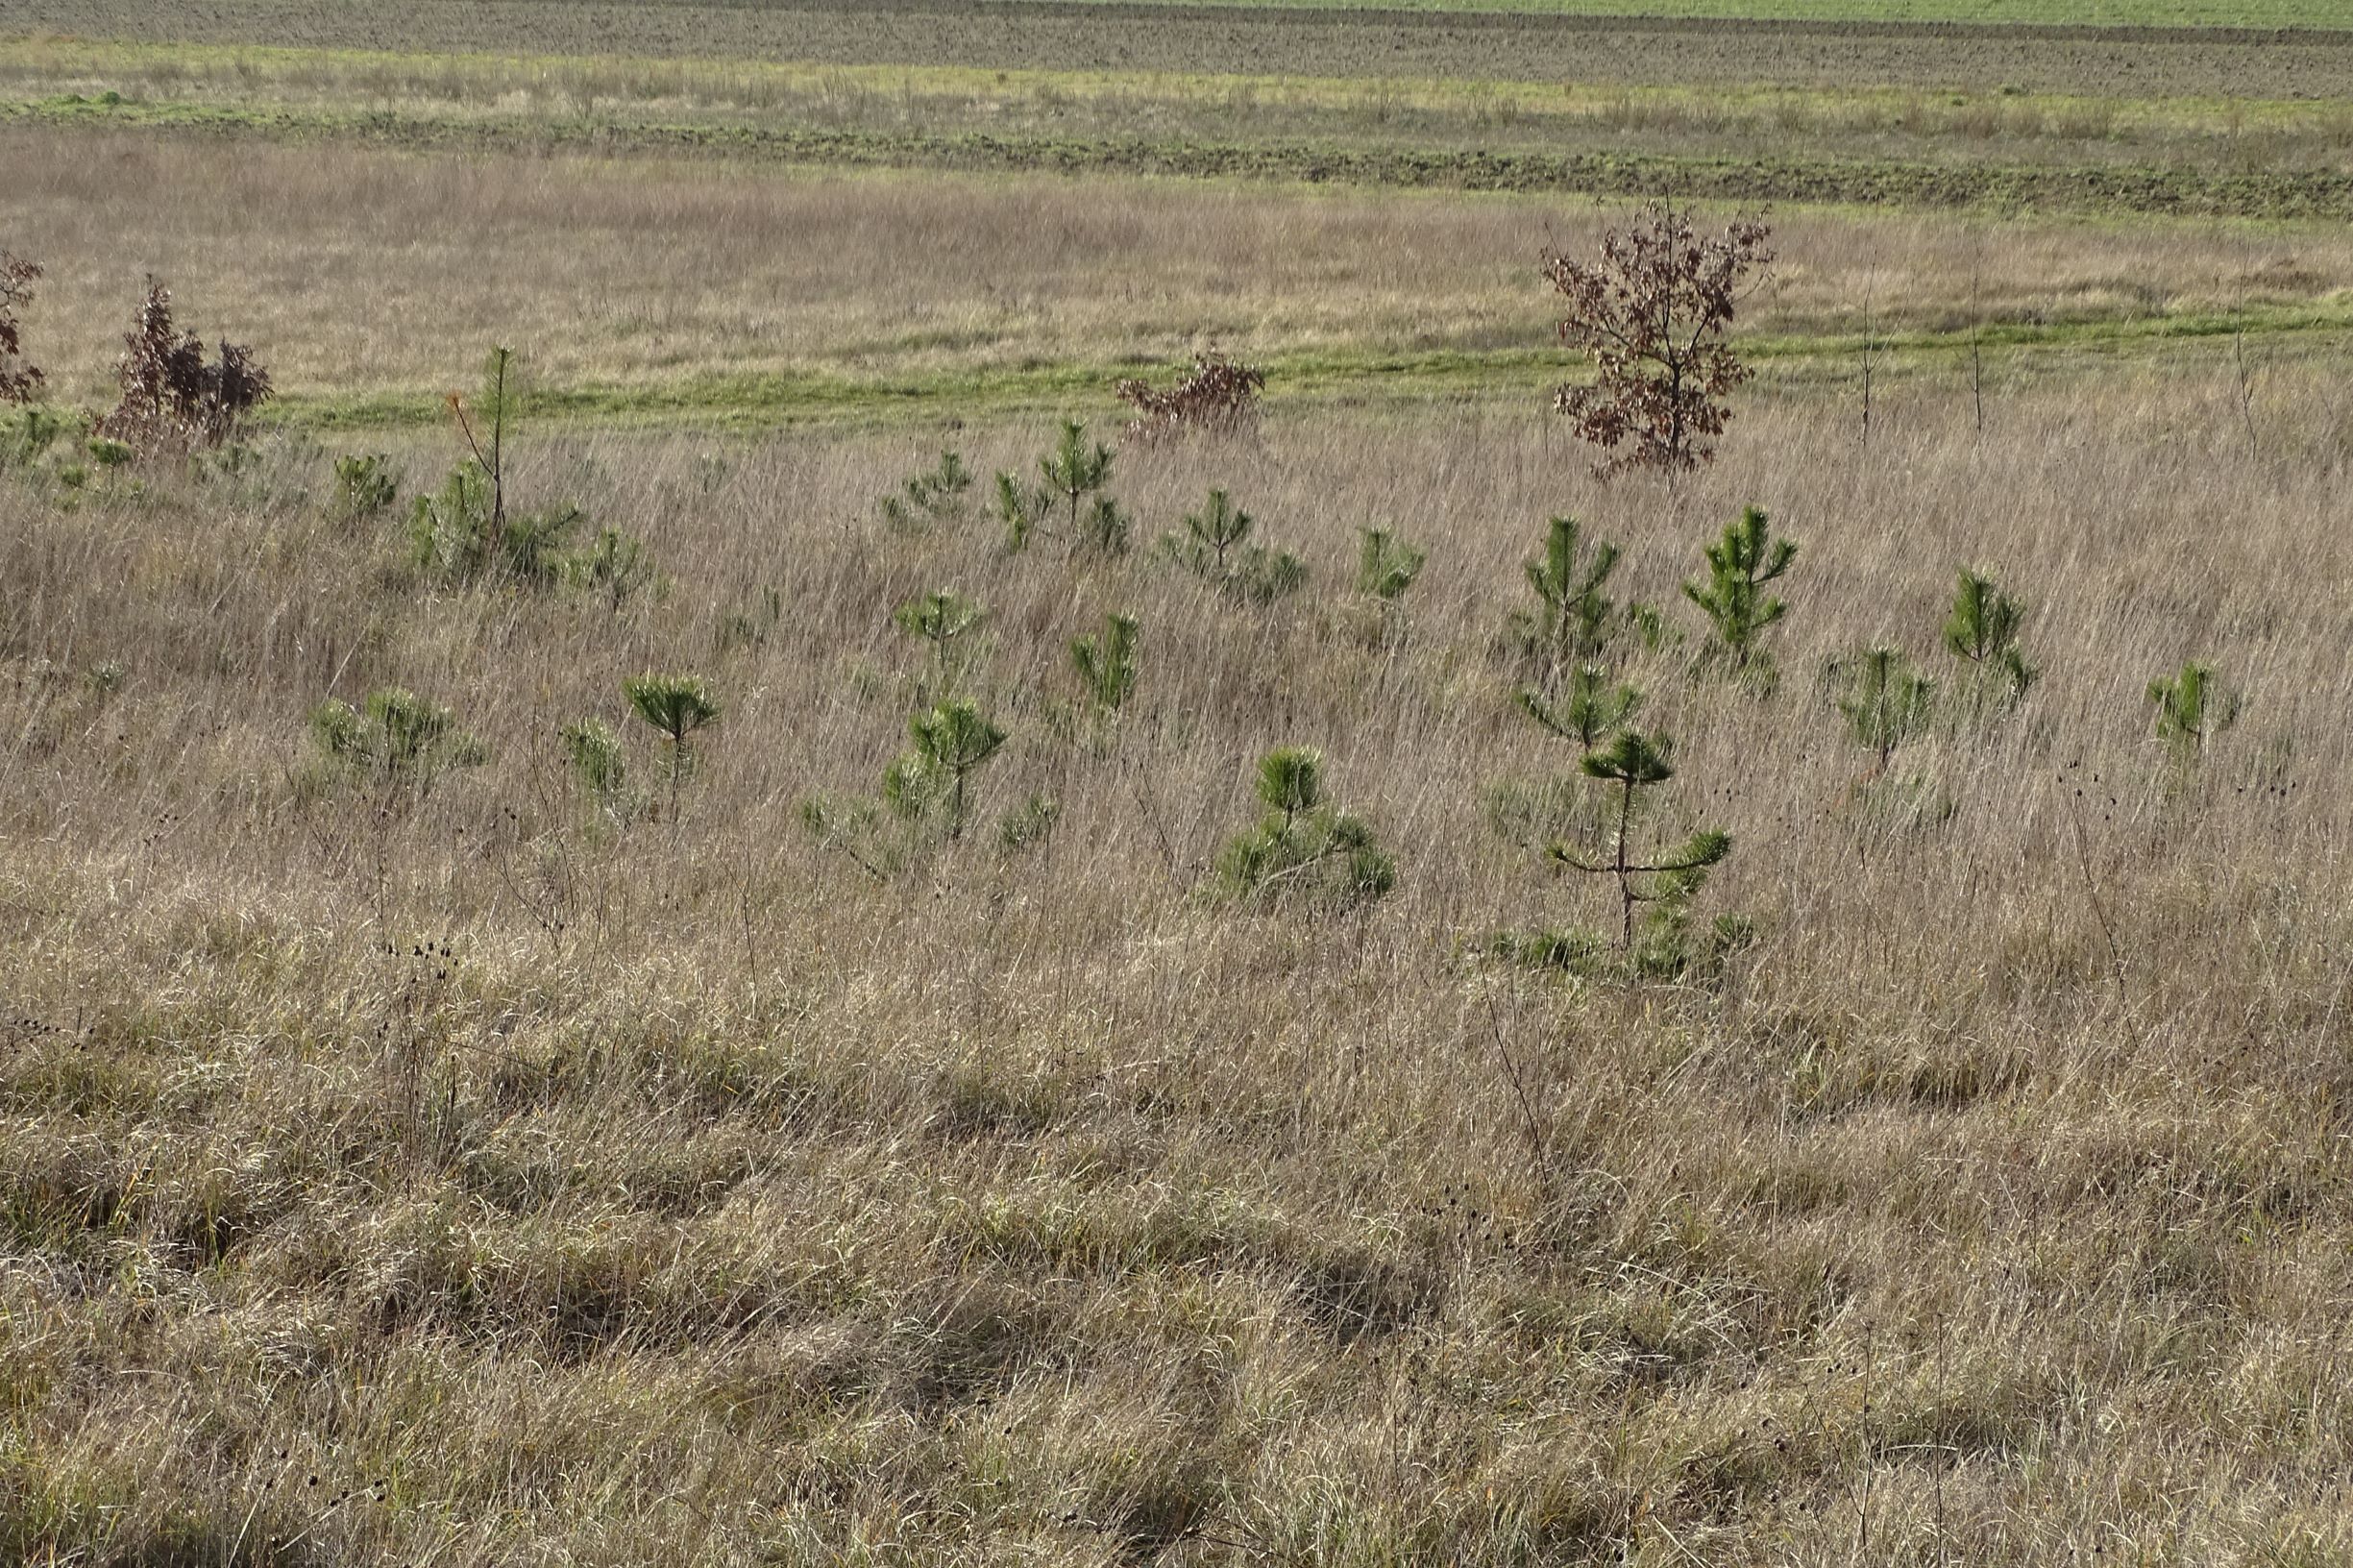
(363, 272)
(470, 1187)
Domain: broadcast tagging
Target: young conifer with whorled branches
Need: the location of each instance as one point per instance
(1983, 632)
(1076, 475)
(677, 707)
(1668, 878)
(1303, 848)
(1732, 595)
(1216, 547)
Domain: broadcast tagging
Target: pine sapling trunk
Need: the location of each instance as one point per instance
(1625, 872)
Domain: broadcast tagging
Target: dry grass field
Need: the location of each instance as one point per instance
(362, 275)
(497, 1173)
(473, 1183)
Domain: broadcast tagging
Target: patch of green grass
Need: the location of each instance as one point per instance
(1321, 378)
(2129, 188)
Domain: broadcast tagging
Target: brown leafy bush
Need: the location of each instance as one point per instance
(18, 381)
(172, 400)
(1651, 315)
(1219, 397)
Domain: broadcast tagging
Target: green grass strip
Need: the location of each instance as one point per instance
(2000, 187)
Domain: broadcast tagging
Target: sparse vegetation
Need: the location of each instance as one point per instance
(1101, 1141)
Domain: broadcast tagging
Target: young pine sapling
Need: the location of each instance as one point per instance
(1982, 630)
(1887, 702)
(2192, 708)
(400, 741)
(601, 766)
(614, 568)
(1215, 548)
(1733, 596)
(952, 742)
(1632, 763)
(1303, 846)
(1107, 662)
(365, 484)
(1592, 708)
(1571, 620)
(1387, 566)
(925, 500)
(937, 619)
(677, 707)
(1076, 472)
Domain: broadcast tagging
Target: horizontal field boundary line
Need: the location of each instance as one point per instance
(1294, 13)
(2011, 188)
(1371, 379)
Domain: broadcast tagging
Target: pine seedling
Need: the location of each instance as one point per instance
(752, 625)
(1302, 846)
(365, 484)
(1887, 702)
(1075, 473)
(1635, 762)
(938, 619)
(1386, 565)
(952, 742)
(2192, 708)
(677, 707)
(402, 741)
(1107, 662)
(1572, 618)
(1732, 596)
(613, 568)
(1982, 629)
(1593, 708)
(925, 500)
(599, 766)
(1215, 548)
